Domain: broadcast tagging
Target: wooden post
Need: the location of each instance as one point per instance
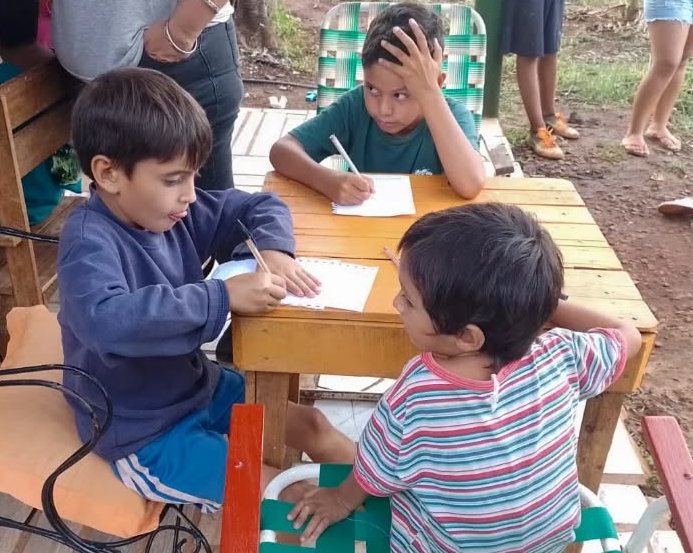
(596, 433)
(240, 526)
(272, 391)
(20, 259)
(675, 469)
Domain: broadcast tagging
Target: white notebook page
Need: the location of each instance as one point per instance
(343, 285)
(392, 196)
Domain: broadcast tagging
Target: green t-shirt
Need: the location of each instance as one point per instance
(371, 149)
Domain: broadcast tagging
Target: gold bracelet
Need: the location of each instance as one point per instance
(212, 6)
(167, 33)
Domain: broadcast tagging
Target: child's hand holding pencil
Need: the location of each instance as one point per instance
(298, 281)
(350, 188)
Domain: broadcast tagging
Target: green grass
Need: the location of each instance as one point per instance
(516, 137)
(600, 69)
(294, 41)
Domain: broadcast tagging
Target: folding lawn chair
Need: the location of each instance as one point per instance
(251, 519)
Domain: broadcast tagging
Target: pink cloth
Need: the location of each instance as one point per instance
(44, 37)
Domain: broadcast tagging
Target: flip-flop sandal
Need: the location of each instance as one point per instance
(683, 206)
(635, 150)
(664, 141)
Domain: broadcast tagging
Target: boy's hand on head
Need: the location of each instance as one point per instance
(419, 70)
(298, 281)
(352, 189)
(327, 507)
(255, 292)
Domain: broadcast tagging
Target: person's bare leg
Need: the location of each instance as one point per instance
(308, 430)
(528, 83)
(548, 67)
(667, 40)
(658, 126)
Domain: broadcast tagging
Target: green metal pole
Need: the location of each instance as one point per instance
(492, 13)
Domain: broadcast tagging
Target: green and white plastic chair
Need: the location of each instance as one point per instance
(344, 31)
(252, 518)
(372, 525)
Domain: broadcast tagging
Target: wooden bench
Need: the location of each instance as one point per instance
(34, 123)
(675, 468)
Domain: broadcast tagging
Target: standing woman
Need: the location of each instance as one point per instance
(192, 41)
(671, 44)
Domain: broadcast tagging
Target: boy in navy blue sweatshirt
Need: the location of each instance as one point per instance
(134, 305)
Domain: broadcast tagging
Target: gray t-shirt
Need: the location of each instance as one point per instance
(94, 36)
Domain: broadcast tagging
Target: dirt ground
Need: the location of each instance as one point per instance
(622, 193)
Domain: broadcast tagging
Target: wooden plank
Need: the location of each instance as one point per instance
(210, 527)
(13, 540)
(349, 247)
(269, 133)
(635, 368)
(502, 159)
(600, 284)
(251, 165)
(634, 311)
(42, 137)
(241, 510)
(275, 180)
(292, 121)
(45, 254)
(307, 346)
(379, 307)
(250, 395)
(675, 468)
(272, 389)
(597, 430)
(34, 91)
(246, 135)
(39, 544)
(395, 227)
(253, 182)
(9, 241)
(544, 213)
(21, 263)
(379, 350)
(243, 115)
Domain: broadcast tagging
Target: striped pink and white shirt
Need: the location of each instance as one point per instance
(487, 466)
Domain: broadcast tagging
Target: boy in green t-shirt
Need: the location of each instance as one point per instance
(397, 122)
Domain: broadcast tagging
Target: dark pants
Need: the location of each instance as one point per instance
(532, 28)
(212, 77)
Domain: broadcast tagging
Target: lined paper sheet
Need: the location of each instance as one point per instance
(392, 197)
(343, 285)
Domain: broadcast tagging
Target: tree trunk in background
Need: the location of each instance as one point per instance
(254, 24)
(632, 9)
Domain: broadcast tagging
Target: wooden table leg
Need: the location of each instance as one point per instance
(596, 433)
(293, 456)
(250, 386)
(272, 391)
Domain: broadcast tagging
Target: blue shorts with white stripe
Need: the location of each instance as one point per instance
(187, 464)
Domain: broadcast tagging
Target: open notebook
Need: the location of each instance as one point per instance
(344, 285)
(392, 197)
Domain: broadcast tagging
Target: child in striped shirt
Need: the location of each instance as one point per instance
(475, 442)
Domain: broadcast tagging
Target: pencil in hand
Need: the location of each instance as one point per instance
(253, 248)
(342, 152)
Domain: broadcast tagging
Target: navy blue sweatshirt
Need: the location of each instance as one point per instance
(134, 308)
